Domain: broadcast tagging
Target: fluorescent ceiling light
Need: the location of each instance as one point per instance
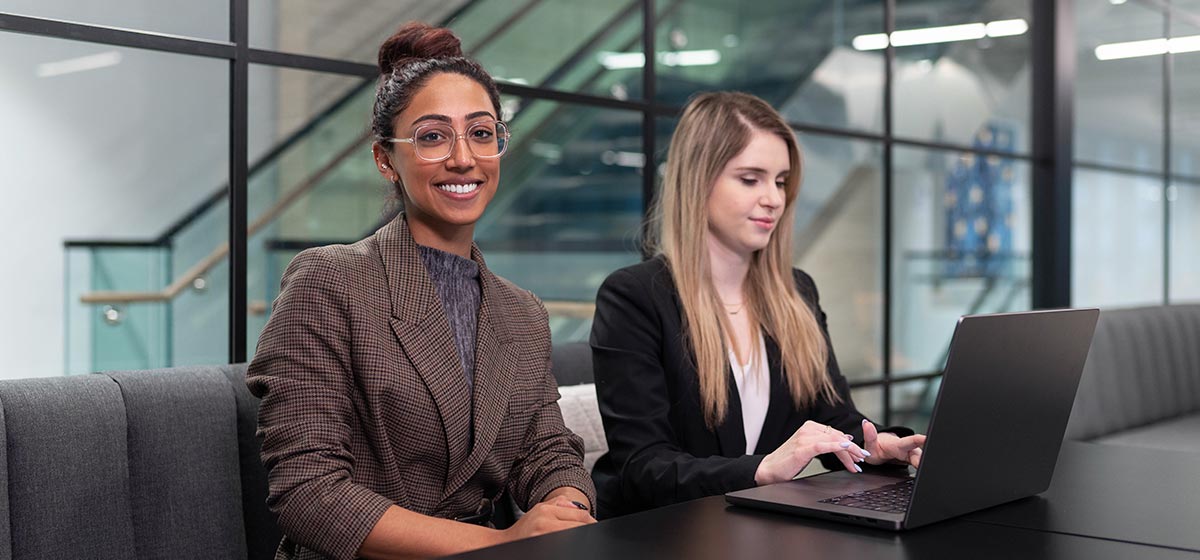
(873, 42)
(931, 35)
(623, 159)
(707, 57)
(1007, 28)
(620, 61)
(1131, 49)
(1184, 44)
(80, 64)
(1149, 47)
(944, 34)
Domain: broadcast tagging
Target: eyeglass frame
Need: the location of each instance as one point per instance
(412, 140)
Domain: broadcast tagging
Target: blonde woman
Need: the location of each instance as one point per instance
(713, 364)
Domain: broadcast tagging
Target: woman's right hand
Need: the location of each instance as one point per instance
(547, 517)
(810, 440)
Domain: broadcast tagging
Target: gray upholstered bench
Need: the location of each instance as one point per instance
(163, 463)
(143, 464)
(1141, 384)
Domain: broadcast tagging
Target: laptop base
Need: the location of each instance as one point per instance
(803, 496)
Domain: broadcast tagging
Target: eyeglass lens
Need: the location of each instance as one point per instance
(485, 139)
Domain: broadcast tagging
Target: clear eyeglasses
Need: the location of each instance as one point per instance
(435, 141)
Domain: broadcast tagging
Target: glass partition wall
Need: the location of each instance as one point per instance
(199, 153)
(1137, 153)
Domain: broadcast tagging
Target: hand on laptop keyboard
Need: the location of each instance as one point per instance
(885, 447)
(810, 440)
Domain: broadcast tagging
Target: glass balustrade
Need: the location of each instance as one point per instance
(117, 335)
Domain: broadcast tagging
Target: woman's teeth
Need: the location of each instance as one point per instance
(459, 189)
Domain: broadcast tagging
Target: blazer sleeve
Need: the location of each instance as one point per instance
(302, 372)
(553, 455)
(631, 386)
(843, 415)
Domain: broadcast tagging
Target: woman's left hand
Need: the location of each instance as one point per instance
(885, 447)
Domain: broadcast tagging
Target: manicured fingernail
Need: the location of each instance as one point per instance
(578, 505)
(864, 421)
(849, 436)
(857, 468)
(845, 444)
(867, 453)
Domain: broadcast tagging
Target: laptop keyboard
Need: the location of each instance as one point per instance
(892, 498)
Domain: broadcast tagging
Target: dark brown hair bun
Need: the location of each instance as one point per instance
(417, 40)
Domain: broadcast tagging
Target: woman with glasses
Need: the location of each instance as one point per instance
(713, 365)
(404, 386)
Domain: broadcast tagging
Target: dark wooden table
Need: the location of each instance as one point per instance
(1115, 492)
(1105, 502)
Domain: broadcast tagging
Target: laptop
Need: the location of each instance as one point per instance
(994, 435)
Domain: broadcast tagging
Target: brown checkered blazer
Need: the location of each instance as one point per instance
(365, 404)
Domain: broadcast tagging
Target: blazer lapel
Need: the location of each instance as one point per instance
(424, 332)
(731, 434)
(495, 366)
(780, 407)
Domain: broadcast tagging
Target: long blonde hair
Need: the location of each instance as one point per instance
(714, 128)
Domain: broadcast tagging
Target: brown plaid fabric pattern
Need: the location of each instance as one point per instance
(365, 404)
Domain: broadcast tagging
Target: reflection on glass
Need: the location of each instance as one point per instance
(664, 127)
(798, 57)
(1118, 102)
(1184, 200)
(1116, 239)
(311, 181)
(1185, 103)
(123, 152)
(283, 100)
(838, 240)
(912, 402)
(349, 30)
(589, 47)
(569, 208)
(961, 245)
(869, 401)
(205, 19)
(962, 73)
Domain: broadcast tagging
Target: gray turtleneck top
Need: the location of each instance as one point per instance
(456, 281)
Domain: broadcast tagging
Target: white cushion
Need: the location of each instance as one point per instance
(581, 414)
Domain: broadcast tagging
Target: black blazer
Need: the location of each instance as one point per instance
(659, 450)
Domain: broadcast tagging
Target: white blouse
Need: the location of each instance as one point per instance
(754, 387)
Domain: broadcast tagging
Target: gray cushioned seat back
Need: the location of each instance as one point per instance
(5, 533)
(261, 526)
(183, 463)
(68, 480)
(1143, 367)
(572, 363)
